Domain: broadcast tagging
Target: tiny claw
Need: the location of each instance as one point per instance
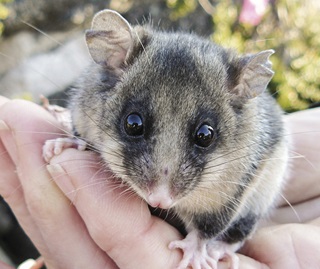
(205, 253)
(56, 146)
(175, 244)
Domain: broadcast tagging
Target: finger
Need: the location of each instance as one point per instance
(299, 213)
(285, 246)
(56, 225)
(11, 191)
(249, 263)
(9, 181)
(315, 221)
(10, 186)
(5, 266)
(304, 170)
(118, 221)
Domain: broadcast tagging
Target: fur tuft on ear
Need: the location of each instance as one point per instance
(110, 39)
(254, 75)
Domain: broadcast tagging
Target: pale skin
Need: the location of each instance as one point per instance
(78, 216)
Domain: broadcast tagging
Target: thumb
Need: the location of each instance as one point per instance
(116, 218)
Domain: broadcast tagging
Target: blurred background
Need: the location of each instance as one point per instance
(42, 51)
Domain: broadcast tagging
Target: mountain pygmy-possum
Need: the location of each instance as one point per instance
(188, 125)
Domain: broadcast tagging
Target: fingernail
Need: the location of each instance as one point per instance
(61, 178)
(27, 264)
(55, 170)
(4, 126)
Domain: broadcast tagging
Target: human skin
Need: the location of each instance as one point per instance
(79, 216)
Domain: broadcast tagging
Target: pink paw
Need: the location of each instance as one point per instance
(55, 146)
(205, 253)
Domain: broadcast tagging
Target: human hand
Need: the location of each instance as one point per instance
(99, 208)
(291, 238)
(302, 189)
(102, 226)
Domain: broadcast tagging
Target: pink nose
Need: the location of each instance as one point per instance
(160, 197)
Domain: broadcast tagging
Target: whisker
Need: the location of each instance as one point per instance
(41, 32)
(291, 206)
(299, 156)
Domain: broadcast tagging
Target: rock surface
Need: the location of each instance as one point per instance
(43, 49)
(52, 70)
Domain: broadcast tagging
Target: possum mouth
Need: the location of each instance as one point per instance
(170, 217)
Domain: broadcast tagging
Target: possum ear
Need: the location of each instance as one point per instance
(253, 74)
(110, 39)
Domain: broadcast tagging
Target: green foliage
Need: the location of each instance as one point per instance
(181, 8)
(4, 13)
(292, 29)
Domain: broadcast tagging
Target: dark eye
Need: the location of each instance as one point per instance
(204, 136)
(133, 125)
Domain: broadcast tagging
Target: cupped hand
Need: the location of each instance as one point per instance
(79, 216)
(94, 222)
(291, 238)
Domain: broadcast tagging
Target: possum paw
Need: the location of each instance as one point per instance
(204, 253)
(55, 146)
(61, 114)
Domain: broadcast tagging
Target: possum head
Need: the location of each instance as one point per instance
(165, 106)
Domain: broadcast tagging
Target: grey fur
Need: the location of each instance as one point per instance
(176, 82)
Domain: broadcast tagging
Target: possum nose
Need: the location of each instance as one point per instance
(160, 197)
(160, 201)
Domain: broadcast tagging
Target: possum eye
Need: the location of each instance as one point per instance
(204, 136)
(133, 125)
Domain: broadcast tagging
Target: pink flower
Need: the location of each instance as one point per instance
(252, 11)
